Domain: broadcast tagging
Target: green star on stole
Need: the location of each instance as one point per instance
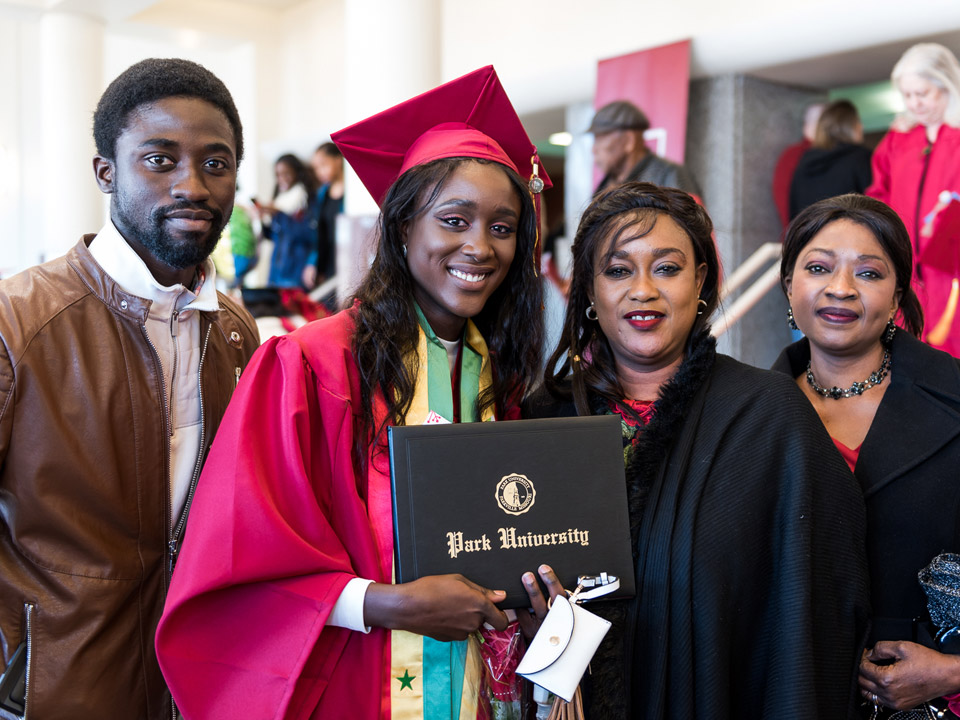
(407, 680)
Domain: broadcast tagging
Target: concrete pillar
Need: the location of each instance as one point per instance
(392, 53)
(71, 73)
(737, 128)
(578, 165)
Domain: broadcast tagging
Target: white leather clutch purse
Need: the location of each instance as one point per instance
(563, 647)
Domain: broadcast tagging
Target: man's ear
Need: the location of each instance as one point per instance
(103, 169)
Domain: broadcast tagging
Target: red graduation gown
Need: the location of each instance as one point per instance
(283, 518)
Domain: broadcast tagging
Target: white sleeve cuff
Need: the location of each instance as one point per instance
(348, 610)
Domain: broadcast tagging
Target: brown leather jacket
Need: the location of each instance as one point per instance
(85, 498)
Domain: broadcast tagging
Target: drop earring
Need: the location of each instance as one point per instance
(591, 312)
(889, 332)
(791, 323)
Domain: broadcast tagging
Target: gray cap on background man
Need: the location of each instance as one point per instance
(619, 115)
(619, 151)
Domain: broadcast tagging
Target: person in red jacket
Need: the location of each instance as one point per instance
(918, 159)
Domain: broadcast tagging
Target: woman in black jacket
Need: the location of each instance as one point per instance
(837, 163)
(892, 406)
(747, 528)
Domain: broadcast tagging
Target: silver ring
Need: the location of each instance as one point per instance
(876, 700)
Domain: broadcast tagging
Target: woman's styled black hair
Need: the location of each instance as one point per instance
(156, 79)
(879, 219)
(303, 173)
(386, 332)
(633, 207)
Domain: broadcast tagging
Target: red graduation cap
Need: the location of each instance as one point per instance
(467, 117)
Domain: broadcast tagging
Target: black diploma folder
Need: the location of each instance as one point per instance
(496, 499)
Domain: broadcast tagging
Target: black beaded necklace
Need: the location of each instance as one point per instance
(857, 388)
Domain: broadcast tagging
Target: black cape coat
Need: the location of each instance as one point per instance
(909, 467)
(749, 542)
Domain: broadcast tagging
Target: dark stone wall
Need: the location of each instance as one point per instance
(736, 129)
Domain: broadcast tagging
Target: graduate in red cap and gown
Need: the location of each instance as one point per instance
(282, 603)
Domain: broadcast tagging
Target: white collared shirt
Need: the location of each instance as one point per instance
(173, 327)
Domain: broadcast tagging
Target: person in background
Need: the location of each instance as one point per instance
(243, 244)
(116, 365)
(891, 405)
(747, 527)
(283, 604)
(918, 159)
(621, 154)
(837, 163)
(327, 165)
(788, 160)
(290, 221)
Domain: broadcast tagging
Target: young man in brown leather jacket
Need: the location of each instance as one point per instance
(116, 364)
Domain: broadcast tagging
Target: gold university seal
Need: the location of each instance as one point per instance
(515, 494)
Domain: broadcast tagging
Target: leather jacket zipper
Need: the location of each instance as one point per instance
(174, 328)
(28, 613)
(177, 535)
(166, 433)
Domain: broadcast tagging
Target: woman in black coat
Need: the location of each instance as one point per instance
(747, 528)
(837, 163)
(892, 406)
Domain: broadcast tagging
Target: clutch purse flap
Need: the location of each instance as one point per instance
(551, 639)
(570, 642)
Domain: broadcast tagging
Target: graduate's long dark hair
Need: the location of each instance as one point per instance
(584, 356)
(386, 331)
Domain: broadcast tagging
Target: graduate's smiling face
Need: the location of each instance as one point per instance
(460, 247)
(843, 289)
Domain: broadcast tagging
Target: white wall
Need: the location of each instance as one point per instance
(729, 36)
(21, 169)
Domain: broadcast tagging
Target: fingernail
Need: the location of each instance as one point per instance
(545, 569)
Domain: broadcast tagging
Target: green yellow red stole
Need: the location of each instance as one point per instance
(433, 680)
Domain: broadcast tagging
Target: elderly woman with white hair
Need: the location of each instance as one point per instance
(919, 159)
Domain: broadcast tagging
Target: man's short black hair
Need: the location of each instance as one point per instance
(155, 79)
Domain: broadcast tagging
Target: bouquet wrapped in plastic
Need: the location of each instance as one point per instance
(500, 694)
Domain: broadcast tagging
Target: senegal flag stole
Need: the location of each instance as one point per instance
(429, 679)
